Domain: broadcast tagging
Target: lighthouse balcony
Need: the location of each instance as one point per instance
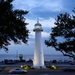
(37, 29)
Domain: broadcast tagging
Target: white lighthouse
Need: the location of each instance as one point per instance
(38, 50)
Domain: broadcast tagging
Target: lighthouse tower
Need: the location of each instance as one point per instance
(38, 50)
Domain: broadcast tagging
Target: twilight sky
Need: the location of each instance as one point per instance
(46, 11)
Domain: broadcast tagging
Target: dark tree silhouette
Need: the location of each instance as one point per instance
(62, 37)
(12, 25)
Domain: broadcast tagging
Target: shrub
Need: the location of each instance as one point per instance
(26, 67)
(52, 67)
(54, 61)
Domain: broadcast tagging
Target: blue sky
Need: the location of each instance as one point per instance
(46, 11)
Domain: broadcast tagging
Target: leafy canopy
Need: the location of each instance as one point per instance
(12, 25)
(62, 37)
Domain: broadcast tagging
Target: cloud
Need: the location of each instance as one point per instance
(31, 42)
(37, 9)
(30, 4)
(68, 5)
(44, 22)
(31, 24)
(48, 22)
(44, 35)
(45, 8)
(32, 35)
(52, 5)
(24, 4)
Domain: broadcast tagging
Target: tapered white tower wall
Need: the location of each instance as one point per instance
(38, 50)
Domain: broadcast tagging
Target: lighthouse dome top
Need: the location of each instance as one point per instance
(37, 27)
(37, 24)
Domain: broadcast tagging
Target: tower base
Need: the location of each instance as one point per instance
(39, 67)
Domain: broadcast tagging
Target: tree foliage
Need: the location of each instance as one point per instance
(62, 37)
(12, 25)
